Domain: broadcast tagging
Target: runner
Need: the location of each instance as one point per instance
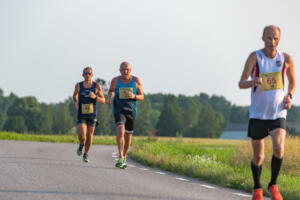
(125, 91)
(269, 104)
(87, 93)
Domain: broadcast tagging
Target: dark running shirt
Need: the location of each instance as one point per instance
(87, 106)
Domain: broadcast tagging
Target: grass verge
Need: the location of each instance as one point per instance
(222, 162)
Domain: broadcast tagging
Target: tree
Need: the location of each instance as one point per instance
(210, 124)
(16, 124)
(170, 121)
(105, 120)
(239, 114)
(47, 116)
(63, 121)
(27, 108)
(143, 124)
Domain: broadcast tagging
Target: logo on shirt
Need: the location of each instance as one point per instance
(278, 63)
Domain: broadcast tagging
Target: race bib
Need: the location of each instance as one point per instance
(271, 81)
(87, 108)
(122, 92)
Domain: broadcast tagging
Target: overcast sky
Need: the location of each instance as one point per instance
(179, 47)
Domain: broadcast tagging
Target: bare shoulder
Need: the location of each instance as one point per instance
(252, 56)
(114, 80)
(287, 57)
(137, 80)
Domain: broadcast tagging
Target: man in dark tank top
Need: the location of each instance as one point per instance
(86, 95)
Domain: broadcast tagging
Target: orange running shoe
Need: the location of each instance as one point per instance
(274, 192)
(257, 194)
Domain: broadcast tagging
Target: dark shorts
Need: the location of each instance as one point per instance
(125, 117)
(259, 129)
(92, 121)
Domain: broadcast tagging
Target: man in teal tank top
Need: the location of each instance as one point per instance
(124, 92)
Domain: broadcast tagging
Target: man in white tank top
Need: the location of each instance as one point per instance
(269, 104)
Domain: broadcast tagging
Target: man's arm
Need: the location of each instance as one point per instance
(248, 69)
(139, 89)
(75, 95)
(100, 95)
(290, 73)
(111, 90)
(292, 80)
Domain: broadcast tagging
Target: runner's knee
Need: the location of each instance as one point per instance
(258, 159)
(278, 151)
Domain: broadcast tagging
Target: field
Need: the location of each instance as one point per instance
(223, 162)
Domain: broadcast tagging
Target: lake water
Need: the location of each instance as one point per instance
(234, 135)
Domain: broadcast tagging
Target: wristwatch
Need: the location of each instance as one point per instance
(291, 96)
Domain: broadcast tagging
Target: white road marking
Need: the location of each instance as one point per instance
(144, 169)
(242, 195)
(114, 153)
(116, 159)
(131, 165)
(182, 179)
(160, 172)
(114, 156)
(207, 186)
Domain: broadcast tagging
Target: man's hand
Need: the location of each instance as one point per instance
(287, 103)
(257, 82)
(129, 94)
(92, 95)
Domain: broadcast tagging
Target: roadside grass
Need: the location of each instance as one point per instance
(223, 162)
(107, 140)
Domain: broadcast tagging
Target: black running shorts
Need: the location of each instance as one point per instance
(259, 129)
(125, 117)
(92, 121)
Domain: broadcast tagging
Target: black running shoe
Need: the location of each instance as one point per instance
(85, 158)
(79, 150)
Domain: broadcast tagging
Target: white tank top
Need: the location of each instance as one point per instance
(267, 99)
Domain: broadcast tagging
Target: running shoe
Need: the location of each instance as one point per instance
(124, 164)
(79, 149)
(85, 158)
(274, 192)
(119, 162)
(257, 194)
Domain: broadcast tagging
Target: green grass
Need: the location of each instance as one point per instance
(107, 140)
(210, 160)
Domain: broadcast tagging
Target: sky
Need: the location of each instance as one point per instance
(179, 47)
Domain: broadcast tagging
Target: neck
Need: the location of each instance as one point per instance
(87, 81)
(271, 53)
(126, 77)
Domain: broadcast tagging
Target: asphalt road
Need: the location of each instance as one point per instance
(50, 171)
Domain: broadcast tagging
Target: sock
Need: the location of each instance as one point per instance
(256, 172)
(275, 167)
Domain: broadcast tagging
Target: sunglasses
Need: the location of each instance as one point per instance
(87, 73)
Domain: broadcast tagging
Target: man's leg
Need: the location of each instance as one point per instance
(256, 163)
(128, 137)
(82, 128)
(89, 139)
(278, 140)
(120, 139)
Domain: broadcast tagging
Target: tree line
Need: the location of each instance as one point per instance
(159, 114)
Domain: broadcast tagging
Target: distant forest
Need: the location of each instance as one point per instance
(159, 114)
